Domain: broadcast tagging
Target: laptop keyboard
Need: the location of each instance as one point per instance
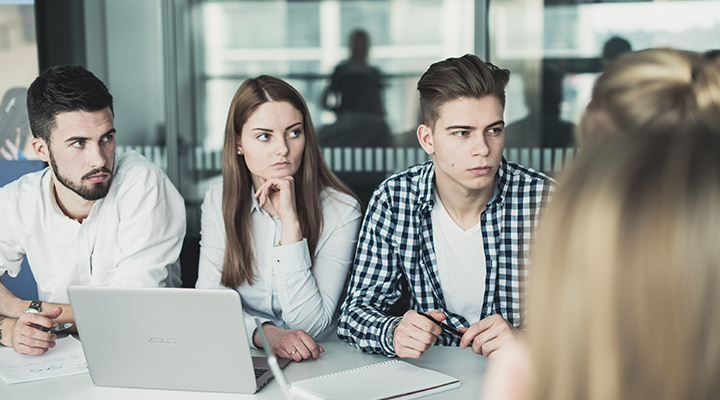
(259, 371)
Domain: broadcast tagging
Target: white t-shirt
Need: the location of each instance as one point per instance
(293, 289)
(460, 258)
(132, 237)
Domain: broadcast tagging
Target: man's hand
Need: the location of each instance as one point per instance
(289, 343)
(28, 338)
(415, 333)
(10, 150)
(489, 335)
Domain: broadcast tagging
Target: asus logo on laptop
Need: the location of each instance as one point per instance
(159, 340)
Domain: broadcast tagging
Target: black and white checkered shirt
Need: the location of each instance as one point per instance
(396, 242)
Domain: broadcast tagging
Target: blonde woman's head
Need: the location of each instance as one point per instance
(650, 89)
(624, 300)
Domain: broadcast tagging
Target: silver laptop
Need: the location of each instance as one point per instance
(167, 338)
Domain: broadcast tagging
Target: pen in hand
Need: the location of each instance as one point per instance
(447, 328)
(57, 329)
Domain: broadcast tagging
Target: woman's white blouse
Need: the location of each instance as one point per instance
(292, 290)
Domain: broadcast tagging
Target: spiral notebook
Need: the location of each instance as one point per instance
(386, 380)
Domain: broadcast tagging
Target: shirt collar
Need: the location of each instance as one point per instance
(502, 183)
(425, 187)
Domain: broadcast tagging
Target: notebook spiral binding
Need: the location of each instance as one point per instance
(347, 371)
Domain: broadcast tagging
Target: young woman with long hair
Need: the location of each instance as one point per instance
(280, 229)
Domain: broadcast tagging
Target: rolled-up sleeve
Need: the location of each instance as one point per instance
(11, 253)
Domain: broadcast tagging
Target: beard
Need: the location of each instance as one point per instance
(94, 192)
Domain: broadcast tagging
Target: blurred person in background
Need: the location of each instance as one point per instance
(355, 94)
(15, 136)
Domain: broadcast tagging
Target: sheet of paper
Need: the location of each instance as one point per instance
(66, 358)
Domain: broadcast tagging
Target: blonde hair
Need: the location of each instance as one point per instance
(650, 89)
(624, 299)
(311, 179)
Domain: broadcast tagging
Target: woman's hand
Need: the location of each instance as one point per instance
(281, 194)
(289, 343)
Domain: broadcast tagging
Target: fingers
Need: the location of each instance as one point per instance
(302, 346)
(280, 192)
(295, 344)
(12, 147)
(437, 314)
(415, 333)
(54, 313)
(5, 154)
(29, 339)
(490, 335)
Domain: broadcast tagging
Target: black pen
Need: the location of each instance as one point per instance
(58, 328)
(445, 327)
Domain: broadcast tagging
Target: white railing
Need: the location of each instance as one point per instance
(371, 159)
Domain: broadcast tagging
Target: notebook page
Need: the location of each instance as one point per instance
(66, 358)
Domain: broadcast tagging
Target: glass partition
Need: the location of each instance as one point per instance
(366, 121)
(556, 50)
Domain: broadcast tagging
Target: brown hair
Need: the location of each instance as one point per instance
(312, 178)
(65, 88)
(453, 78)
(650, 89)
(624, 298)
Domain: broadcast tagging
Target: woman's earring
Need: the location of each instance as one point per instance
(240, 152)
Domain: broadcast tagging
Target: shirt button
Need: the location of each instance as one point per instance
(277, 261)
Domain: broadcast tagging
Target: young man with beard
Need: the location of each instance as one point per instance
(455, 230)
(89, 218)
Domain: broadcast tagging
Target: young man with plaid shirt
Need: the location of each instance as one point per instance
(456, 229)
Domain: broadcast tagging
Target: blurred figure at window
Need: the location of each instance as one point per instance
(355, 94)
(614, 48)
(14, 126)
(542, 127)
(651, 89)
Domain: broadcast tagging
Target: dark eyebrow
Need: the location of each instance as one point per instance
(270, 130)
(498, 122)
(463, 127)
(76, 138)
(293, 125)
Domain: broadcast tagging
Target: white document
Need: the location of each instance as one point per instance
(66, 358)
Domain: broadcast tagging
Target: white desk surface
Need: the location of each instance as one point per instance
(338, 356)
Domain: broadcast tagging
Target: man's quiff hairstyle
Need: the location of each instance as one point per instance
(60, 89)
(466, 76)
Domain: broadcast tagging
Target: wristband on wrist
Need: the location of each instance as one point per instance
(391, 332)
(35, 307)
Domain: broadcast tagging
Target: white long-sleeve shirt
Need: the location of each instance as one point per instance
(293, 290)
(132, 237)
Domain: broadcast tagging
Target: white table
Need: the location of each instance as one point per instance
(338, 356)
